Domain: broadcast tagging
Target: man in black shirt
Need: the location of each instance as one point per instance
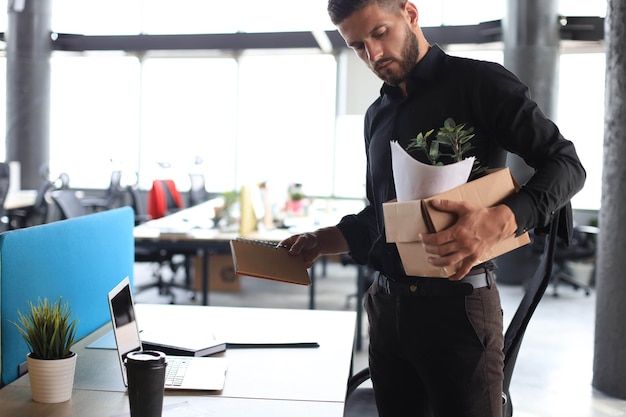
(437, 343)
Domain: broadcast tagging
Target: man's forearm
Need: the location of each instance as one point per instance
(331, 241)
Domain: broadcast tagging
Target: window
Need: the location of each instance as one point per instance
(142, 115)
(3, 102)
(581, 118)
(287, 114)
(94, 117)
(189, 110)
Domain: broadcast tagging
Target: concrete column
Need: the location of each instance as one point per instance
(28, 47)
(609, 364)
(531, 51)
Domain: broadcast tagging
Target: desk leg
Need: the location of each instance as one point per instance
(312, 287)
(360, 283)
(205, 277)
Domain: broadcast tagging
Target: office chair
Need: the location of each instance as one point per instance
(163, 261)
(68, 204)
(163, 198)
(63, 181)
(35, 214)
(136, 203)
(360, 401)
(5, 178)
(112, 196)
(582, 248)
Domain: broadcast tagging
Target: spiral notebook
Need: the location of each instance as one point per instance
(260, 259)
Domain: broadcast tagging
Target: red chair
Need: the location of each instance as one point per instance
(163, 199)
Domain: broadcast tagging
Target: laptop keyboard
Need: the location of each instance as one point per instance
(175, 371)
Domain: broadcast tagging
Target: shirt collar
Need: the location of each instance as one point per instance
(425, 70)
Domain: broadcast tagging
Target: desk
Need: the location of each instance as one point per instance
(260, 382)
(20, 199)
(191, 231)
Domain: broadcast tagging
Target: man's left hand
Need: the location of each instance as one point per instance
(469, 240)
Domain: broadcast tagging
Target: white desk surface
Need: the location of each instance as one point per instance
(262, 382)
(16, 401)
(196, 223)
(20, 199)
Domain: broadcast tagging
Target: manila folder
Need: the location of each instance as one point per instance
(266, 260)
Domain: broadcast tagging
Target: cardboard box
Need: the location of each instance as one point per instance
(404, 221)
(222, 275)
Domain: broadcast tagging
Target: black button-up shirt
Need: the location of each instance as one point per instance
(491, 100)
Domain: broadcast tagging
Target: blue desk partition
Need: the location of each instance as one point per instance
(80, 259)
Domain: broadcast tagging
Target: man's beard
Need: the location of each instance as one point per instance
(410, 53)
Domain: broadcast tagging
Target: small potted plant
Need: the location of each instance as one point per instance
(295, 204)
(451, 141)
(50, 332)
(225, 210)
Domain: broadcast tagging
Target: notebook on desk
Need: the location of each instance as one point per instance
(192, 372)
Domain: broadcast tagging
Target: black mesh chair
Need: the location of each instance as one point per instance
(69, 205)
(35, 214)
(582, 248)
(5, 179)
(360, 401)
(112, 198)
(137, 204)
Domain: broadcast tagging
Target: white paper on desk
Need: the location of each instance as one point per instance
(415, 180)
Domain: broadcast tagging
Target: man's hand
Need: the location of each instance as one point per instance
(469, 240)
(325, 241)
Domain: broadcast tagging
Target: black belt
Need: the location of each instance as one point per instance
(434, 287)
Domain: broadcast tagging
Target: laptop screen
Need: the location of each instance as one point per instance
(125, 326)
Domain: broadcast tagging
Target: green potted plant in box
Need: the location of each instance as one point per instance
(50, 332)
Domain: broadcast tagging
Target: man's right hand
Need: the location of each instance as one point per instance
(311, 245)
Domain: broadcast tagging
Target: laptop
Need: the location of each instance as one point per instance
(182, 372)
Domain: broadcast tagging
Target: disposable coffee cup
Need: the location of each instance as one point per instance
(146, 380)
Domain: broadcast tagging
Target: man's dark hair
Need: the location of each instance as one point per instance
(339, 10)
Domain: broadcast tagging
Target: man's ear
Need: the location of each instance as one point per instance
(412, 13)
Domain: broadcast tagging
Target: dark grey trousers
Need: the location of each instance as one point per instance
(436, 356)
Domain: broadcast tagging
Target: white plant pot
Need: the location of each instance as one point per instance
(51, 380)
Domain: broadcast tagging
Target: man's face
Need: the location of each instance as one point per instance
(384, 41)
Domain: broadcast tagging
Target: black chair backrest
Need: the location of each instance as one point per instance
(63, 182)
(141, 214)
(40, 206)
(115, 191)
(5, 179)
(68, 203)
(5, 182)
(535, 289)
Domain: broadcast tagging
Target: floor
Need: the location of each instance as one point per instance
(553, 372)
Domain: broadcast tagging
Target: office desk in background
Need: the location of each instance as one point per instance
(20, 199)
(191, 232)
(275, 382)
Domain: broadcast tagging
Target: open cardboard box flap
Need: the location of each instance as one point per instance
(404, 221)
